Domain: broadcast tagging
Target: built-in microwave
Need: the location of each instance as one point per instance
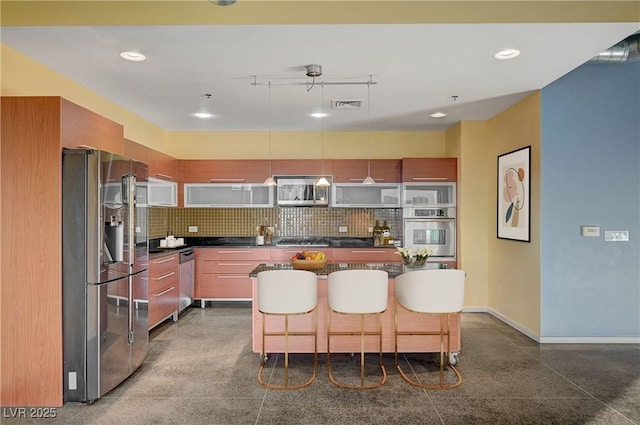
(301, 191)
(433, 228)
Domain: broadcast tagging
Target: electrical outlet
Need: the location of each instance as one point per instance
(342, 229)
(193, 229)
(498, 289)
(370, 230)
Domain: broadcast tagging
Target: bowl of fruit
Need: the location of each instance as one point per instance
(309, 260)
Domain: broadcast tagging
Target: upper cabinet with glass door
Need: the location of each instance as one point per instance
(358, 195)
(162, 193)
(220, 195)
(439, 194)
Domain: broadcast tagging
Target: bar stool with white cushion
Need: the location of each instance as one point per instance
(438, 292)
(285, 293)
(357, 292)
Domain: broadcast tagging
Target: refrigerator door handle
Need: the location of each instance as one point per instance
(131, 241)
(131, 312)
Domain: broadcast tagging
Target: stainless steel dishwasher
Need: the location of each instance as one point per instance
(187, 267)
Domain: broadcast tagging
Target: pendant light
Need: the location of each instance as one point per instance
(322, 181)
(270, 181)
(369, 179)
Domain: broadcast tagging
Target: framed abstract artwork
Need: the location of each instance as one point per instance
(514, 195)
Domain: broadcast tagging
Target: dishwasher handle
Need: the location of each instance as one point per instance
(188, 255)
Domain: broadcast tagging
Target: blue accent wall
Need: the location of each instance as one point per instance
(590, 175)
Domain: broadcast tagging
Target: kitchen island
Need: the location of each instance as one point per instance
(410, 321)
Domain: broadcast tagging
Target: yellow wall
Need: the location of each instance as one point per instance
(514, 267)
(298, 145)
(475, 189)
(22, 76)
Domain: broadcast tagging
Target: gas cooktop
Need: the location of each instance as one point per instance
(303, 242)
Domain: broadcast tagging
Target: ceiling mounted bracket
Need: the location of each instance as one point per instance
(314, 70)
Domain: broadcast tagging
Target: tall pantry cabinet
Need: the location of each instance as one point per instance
(34, 130)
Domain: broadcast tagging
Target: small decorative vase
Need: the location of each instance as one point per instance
(414, 263)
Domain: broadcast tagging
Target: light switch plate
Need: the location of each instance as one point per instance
(616, 235)
(193, 229)
(342, 229)
(590, 230)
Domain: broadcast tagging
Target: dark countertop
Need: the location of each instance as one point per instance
(393, 269)
(250, 242)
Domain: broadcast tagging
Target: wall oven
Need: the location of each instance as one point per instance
(433, 228)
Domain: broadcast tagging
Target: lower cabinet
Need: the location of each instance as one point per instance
(366, 255)
(283, 255)
(223, 273)
(164, 289)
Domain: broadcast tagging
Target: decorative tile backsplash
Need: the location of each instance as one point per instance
(289, 222)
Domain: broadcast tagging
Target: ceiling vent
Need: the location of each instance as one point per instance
(347, 103)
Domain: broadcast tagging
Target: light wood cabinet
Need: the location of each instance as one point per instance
(356, 170)
(301, 167)
(223, 273)
(135, 151)
(429, 169)
(225, 171)
(164, 288)
(84, 129)
(366, 255)
(283, 255)
(162, 166)
(34, 129)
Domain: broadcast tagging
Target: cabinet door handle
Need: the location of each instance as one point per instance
(164, 276)
(165, 260)
(164, 176)
(231, 277)
(428, 178)
(235, 264)
(368, 252)
(159, 294)
(88, 147)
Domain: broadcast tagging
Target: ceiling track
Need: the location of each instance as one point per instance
(311, 84)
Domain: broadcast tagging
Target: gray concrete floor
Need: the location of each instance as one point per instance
(201, 370)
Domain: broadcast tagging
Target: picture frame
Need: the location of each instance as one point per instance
(514, 195)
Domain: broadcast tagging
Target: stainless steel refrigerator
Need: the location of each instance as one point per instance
(104, 271)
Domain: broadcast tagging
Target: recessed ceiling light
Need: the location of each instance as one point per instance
(505, 54)
(438, 115)
(318, 115)
(203, 115)
(133, 56)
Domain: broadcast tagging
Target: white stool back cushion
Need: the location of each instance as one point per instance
(287, 291)
(358, 291)
(431, 291)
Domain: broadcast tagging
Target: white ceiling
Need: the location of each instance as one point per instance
(417, 68)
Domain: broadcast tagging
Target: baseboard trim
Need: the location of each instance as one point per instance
(590, 340)
(560, 339)
(514, 325)
(474, 310)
